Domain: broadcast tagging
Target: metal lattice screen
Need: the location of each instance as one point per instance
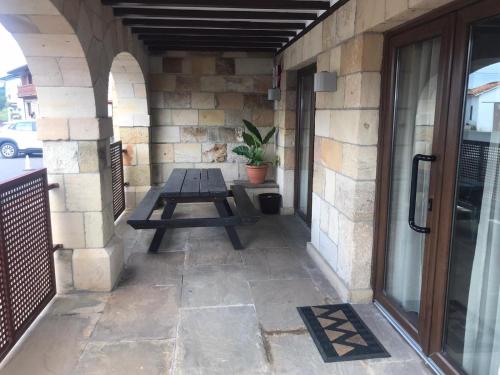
(27, 282)
(117, 179)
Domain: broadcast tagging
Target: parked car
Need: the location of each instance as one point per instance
(19, 138)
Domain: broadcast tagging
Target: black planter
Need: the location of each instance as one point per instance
(270, 203)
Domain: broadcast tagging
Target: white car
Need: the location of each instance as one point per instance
(19, 138)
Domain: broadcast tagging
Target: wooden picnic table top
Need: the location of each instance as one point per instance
(193, 183)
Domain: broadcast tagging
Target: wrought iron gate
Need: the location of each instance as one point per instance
(27, 281)
(117, 179)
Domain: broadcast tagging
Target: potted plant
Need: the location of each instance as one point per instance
(254, 152)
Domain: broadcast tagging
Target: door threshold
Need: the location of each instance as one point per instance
(415, 346)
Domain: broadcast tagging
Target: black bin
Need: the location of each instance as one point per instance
(270, 203)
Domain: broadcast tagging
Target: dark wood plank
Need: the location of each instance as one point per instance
(204, 183)
(185, 47)
(231, 231)
(146, 206)
(210, 43)
(174, 183)
(168, 212)
(216, 184)
(231, 221)
(246, 4)
(191, 185)
(210, 38)
(244, 206)
(212, 32)
(211, 14)
(246, 25)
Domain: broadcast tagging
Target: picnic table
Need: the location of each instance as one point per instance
(195, 186)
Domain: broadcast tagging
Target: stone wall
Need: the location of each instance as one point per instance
(70, 46)
(198, 102)
(350, 43)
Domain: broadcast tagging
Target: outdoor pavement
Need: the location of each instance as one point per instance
(199, 307)
(10, 168)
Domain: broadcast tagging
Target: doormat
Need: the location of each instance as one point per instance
(340, 334)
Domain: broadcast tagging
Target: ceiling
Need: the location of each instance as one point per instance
(220, 25)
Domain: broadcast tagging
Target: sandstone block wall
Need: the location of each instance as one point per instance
(198, 102)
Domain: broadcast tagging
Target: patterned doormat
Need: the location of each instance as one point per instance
(340, 334)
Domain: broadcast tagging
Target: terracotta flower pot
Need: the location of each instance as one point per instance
(257, 174)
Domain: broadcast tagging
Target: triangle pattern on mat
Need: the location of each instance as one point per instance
(347, 326)
(357, 339)
(333, 335)
(342, 349)
(338, 315)
(319, 310)
(326, 322)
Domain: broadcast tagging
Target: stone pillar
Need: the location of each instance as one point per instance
(285, 122)
(76, 155)
(345, 164)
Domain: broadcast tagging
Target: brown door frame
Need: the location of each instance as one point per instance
(460, 15)
(441, 27)
(307, 216)
(465, 17)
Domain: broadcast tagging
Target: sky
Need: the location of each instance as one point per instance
(14, 57)
(490, 73)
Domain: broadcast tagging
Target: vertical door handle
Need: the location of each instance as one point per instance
(413, 194)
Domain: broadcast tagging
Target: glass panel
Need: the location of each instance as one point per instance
(418, 66)
(472, 338)
(307, 106)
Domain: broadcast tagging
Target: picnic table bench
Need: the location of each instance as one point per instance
(195, 186)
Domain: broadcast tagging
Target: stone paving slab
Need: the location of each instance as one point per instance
(53, 347)
(161, 269)
(139, 312)
(230, 344)
(215, 286)
(272, 264)
(126, 357)
(261, 239)
(199, 307)
(79, 303)
(215, 251)
(276, 302)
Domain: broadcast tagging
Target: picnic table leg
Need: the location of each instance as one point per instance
(225, 211)
(168, 212)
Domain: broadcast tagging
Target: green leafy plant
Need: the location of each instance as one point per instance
(254, 148)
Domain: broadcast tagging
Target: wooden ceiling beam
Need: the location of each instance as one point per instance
(241, 4)
(209, 32)
(218, 38)
(246, 25)
(226, 43)
(210, 14)
(183, 47)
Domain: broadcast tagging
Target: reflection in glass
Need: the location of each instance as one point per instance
(472, 337)
(418, 67)
(306, 98)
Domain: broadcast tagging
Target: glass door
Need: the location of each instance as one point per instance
(306, 100)
(472, 323)
(410, 169)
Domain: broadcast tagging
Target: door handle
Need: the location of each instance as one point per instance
(413, 194)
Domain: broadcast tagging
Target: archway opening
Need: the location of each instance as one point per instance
(128, 107)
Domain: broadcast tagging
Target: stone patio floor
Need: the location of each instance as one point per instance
(199, 307)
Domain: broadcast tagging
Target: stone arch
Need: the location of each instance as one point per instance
(75, 139)
(130, 114)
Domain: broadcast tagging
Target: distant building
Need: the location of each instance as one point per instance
(21, 94)
(483, 107)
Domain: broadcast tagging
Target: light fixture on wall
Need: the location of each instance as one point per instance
(275, 93)
(325, 82)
